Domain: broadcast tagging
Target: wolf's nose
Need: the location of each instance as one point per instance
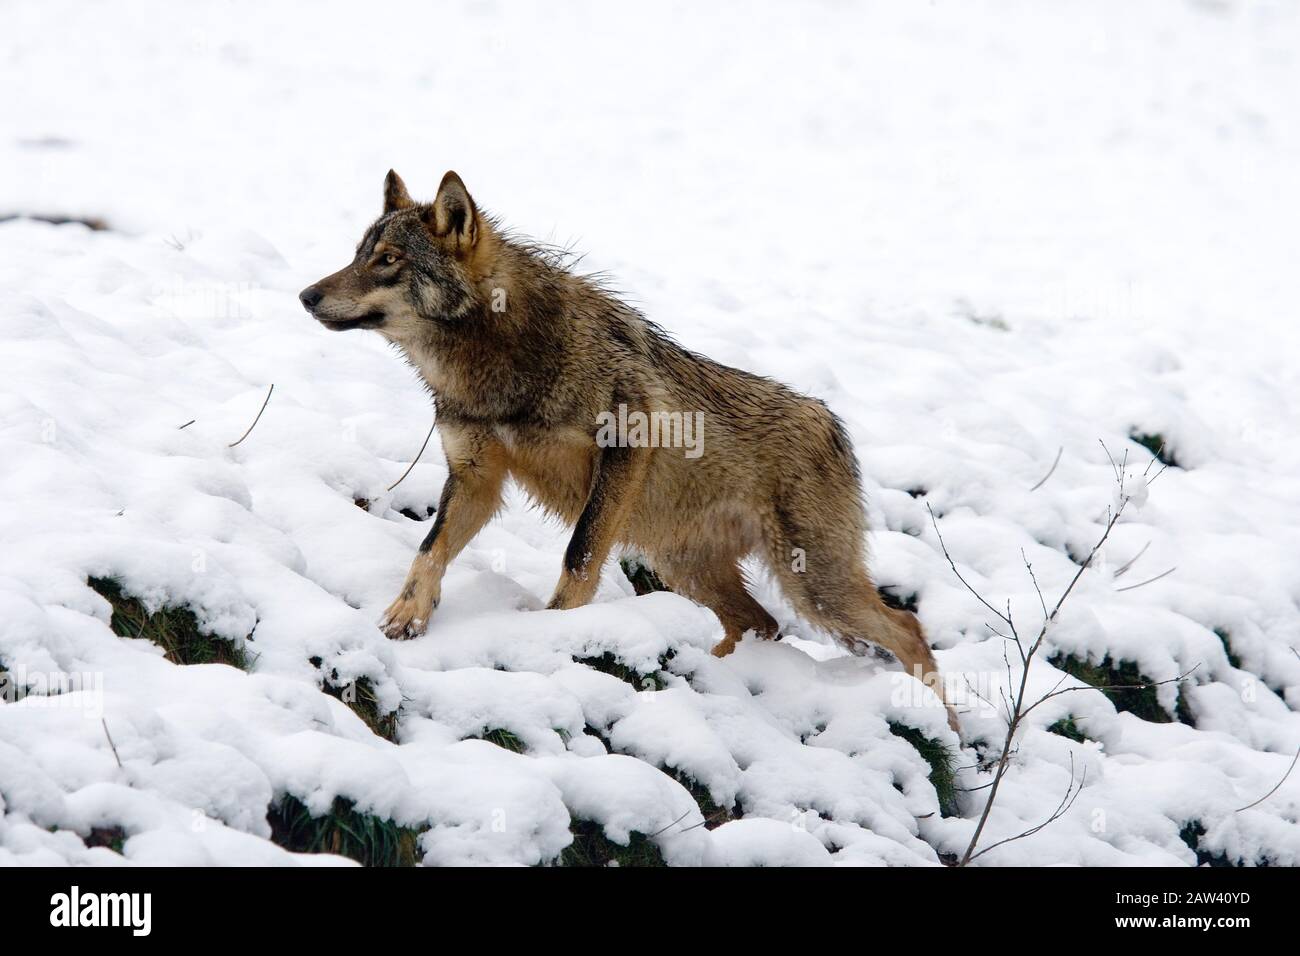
(309, 297)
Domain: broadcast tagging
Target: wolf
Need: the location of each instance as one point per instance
(526, 359)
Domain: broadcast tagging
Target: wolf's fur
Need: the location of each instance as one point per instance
(521, 355)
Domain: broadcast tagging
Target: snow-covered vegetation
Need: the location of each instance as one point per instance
(1000, 241)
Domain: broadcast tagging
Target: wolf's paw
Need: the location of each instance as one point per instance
(724, 647)
(407, 617)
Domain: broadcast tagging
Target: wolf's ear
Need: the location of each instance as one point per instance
(395, 195)
(453, 214)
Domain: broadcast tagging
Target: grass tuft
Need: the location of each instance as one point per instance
(174, 629)
(1140, 701)
(363, 837)
(1226, 640)
(1191, 834)
(714, 815)
(1156, 444)
(360, 696)
(642, 576)
(607, 663)
(943, 773)
(1066, 727)
(505, 739)
(111, 838)
(590, 847)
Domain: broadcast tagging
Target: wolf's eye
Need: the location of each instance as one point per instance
(389, 259)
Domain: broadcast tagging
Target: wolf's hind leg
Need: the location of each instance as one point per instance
(719, 586)
(470, 497)
(828, 582)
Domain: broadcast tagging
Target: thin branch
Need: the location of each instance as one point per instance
(709, 819)
(1017, 715)
(1111, 458)
(1275, 789)
(1163, 574)
(1037, 589)
(113, 746)
(1071, 795)
(417, 458)
(257, 419)
(952, 564)
(674, 823)
(974, 690)
(1123, 570)
(1105, 688)
(1155, 458)
(1042, 481)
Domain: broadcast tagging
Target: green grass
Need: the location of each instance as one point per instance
(590, 847)
(714, 815)
(1191, 834)
(1141, 700)
(112, 838)
(1157, 445)
(359, 695)
(370, 840)
(1066, 727)
(642, 576)
(943, 774)
(607, 663)
(504, 739)
(1226, 641)
(174, 629)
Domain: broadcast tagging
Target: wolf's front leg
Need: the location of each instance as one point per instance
(616, 484)
(470, 497)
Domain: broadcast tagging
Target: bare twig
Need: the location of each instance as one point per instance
(417, 458)
(1133, 587)
(1105, 688)
(674, 823)
(709, 819)
(257, 419)
(1123, 570)
(953, 565)
(1275, 789)
(1071, 794)
(113, 746)
(1042, 481)
(1037, 590)
(187, 424)
(1016, 713)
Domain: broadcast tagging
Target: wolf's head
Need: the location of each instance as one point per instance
(414, 265)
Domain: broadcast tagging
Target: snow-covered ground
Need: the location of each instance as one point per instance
(982, 233)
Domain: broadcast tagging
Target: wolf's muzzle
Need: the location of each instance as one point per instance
(310, 297)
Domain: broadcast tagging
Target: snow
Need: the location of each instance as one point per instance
(983, 234)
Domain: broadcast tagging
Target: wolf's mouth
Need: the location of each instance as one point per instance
(371, 320)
